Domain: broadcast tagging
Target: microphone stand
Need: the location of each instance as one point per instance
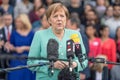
(97, 60)
(102, 60)
(11, 57)
(51, 69)
(21, 67)
(70, 64)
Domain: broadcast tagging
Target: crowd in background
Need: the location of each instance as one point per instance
(97, 20)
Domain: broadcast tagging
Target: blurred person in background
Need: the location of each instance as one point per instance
(114, 22)
(1, 18)
(25, 6)
(44, 22)
(7, 7)
(108, 14)
(14, 2)
(94, 42)
(91, 18)
(2, 63)
(20, 42)
(91, 2)
(65, 2)
(40, 12)
(1, 30)
(74, 24)
(108, 46)
(117, 40)
(99, 71)
(115, 2)
(75, 6)
(87, 8)
(6, 29)
(48, 2)
(101, 7)
(33, 15)
(115, 75)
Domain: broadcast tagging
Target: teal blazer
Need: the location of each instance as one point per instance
(39, 49)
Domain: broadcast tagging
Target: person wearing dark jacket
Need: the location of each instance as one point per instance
(74, 24)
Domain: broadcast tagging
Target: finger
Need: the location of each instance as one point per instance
(61, 65)
(58, 65)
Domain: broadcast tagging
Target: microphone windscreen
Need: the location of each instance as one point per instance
(75, 38)
(70, 50)
(52, 50)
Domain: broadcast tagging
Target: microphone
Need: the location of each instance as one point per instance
(70, 52)
(78, 49)
(52, 53)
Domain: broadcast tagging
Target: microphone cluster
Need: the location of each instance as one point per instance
(73, 47)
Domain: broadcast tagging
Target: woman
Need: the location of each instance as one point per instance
(94, 41)
(20, 41)
(57, 15)
(33, 15)
(108, 45)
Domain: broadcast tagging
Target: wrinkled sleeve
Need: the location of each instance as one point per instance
(35, 50)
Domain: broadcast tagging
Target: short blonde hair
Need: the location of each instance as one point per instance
(25, 20)
(56, 7)
(99, 66)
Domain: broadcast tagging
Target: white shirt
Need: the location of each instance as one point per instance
(98, 76)
(6, 30)
(112, 24)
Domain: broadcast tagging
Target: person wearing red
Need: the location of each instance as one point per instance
(94, 42)
(108, 45)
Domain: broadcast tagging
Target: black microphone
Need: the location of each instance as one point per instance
(70, 52)
(52, 53)
(78, 49)
(78, 53)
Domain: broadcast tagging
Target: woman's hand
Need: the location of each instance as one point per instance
(22, 49)
(63, 64)
(74, 65)
(60, 64)
(9, 47)
(19, 49)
